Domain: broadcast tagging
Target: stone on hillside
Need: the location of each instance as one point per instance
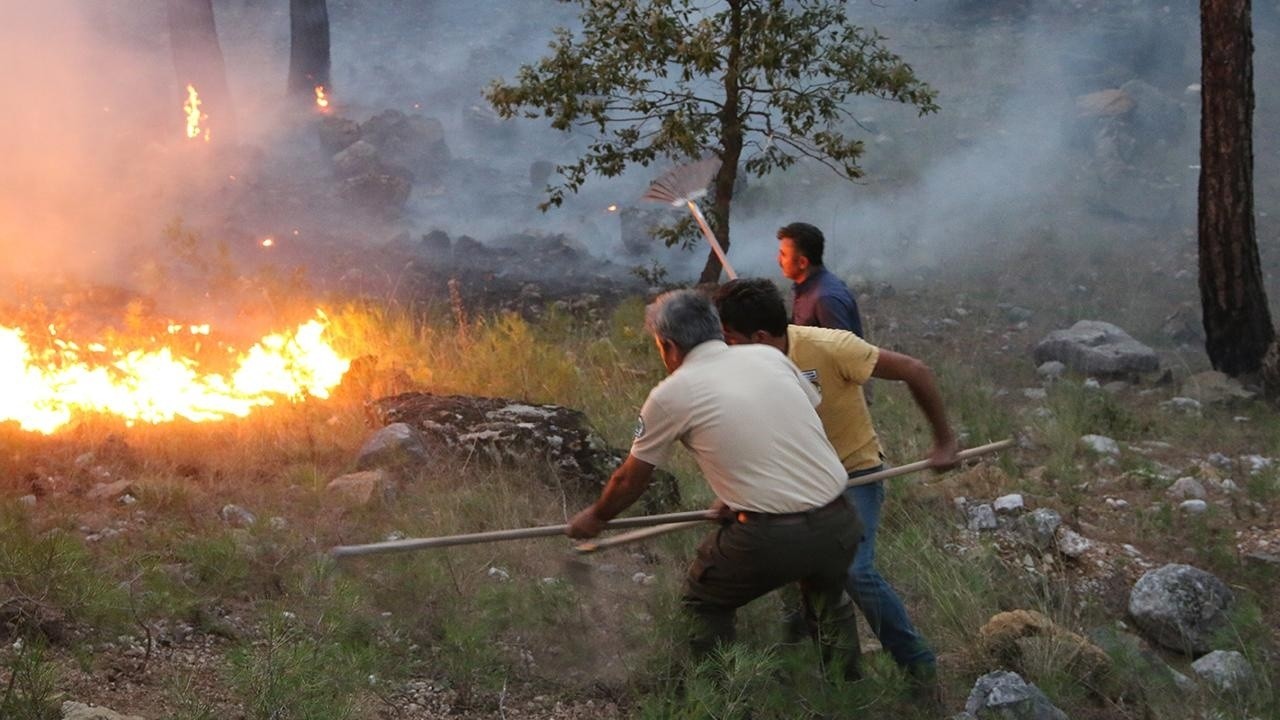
(1096, 348)
(982, 517)
(553, 442)
(1226, 671)
(1005, 638)
(109, 491)
(398, 446)
(1051, 370)
(1180, 607)
(1008, 504)
(1071, 543)
(236, 516)
(1040, 526)
(337, 134)
(380, 192)
(1211, 387)
(366, 487)
(1003, 695)
(80, 711)
(1186, 487)
(1101, 444)
(357, 159)
(1186, 405)
(1193, 507)
(414, 141)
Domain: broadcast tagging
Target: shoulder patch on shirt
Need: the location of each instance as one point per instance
(812, 377)
(639, 431)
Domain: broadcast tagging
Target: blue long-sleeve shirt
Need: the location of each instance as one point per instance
(823, 300)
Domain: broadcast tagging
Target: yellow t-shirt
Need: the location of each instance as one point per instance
(838, 362)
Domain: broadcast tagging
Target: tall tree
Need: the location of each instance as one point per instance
(678, 79)
(197, 59)
(308, 46)
(1237, 321)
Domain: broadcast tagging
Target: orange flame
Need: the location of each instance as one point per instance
(191, 106)
(322, 98)
(44, 393)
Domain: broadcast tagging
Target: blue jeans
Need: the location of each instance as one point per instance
(877, 599)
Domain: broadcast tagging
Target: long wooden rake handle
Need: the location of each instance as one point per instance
(592, 546)
(392, 546)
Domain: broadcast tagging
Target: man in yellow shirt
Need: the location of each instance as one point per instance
(838, 362)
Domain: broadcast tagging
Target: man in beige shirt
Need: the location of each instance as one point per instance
(748, 417)
(839, 363)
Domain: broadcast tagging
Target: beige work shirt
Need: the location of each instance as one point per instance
(748, 416)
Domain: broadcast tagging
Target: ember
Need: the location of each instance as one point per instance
(47, 388)
(191, 107)
(322, 98)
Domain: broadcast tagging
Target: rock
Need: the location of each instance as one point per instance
(1212, 387)
(28, 501)
(1185, 405)
(366, 487)
(1180, 607)
(1226, 671)
(1040, 527)
(358, 159)
(1003, 695)
(236, 516)
(1007, 504)
(1004, 633)
(1101, 444)
(337, 134)
(1051, 370)
(80, 711)
(1186, 487)
(1071, 543)
(414, 141)
(554, 442)
(982, 517)
(397, 446)
(109, 491)
(380, 192)
(1193, 507)
(1096, 348)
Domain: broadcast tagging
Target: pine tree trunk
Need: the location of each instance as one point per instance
(197, 59)
(1237, 321)
(308, 47)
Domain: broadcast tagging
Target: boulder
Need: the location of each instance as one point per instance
(552, 441)
(1004, 695)
(1040, 526)
(1180, 607)
(381, 192)
(1225, 671)
(1005, 634)
(1096, 348)
(367, 487)
(1212, 387)
(80, 711)
(337, 134)
(397, 446)
(359, 158)
(414, 141)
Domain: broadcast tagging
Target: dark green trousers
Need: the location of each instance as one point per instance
(743, 560)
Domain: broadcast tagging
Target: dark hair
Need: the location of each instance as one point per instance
(748, 305)
(685, 317)
(807, 238)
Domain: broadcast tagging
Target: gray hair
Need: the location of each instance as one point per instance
(685, 317)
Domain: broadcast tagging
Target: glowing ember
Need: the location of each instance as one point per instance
(613, 208)
(46, 390)
(192, 109)
(322, 99)
(268, 242)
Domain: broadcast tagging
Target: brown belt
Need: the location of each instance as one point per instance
(746, 516)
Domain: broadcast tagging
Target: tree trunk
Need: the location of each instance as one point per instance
(308, 47)
(731, 148)
(197, 59)
(1237, 321)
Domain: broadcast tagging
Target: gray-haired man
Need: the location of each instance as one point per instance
(748, 416)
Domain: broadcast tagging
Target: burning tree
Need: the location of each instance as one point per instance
(681, 79)
(309, 50)
(1237, 322)
(202, 74)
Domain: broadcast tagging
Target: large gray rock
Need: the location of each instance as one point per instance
(413, 141)
(549, 441)
(1093, 347)
(1004, 695)
(80, 711)
(1040, 527)
(1180, 607)
(398, 446)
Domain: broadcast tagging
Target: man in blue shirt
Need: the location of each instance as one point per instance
(821, 298)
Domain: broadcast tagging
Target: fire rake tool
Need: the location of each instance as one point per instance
(682, 185)
(392, 546)
(592, 546)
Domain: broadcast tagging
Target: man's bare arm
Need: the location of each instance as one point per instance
(919, 379)
(625, 486)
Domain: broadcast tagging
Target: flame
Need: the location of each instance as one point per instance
(268, 242)
(322, 99)
(191, 106)
(46, 390)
